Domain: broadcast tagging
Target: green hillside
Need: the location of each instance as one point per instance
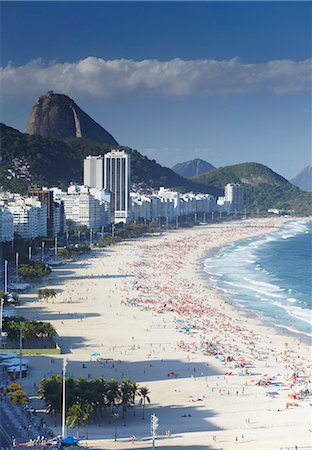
(263, 188)
(56, 162)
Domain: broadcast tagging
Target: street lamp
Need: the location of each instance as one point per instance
(5, 276)
(154, 427)
(21, 348)
(64, 399)
(16, 263)
(1, 315)
(42, 250)
(55, 246)
(115, 416)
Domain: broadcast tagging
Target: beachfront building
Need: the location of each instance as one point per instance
(86, 206)
(6, 225)
(117, 181)
(233, 194)
(169, 205)
(93, 171)
(29, 216)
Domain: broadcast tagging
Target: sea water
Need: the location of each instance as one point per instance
(269, 275)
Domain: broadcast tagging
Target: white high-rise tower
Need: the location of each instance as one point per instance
(233, 193)
(93, 172)
(117, 180)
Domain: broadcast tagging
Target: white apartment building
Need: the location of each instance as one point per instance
(86, 206)
(233, 193)
(117, 180)
(93, 171)
(29, 217)
(6, 225)
(169, 205)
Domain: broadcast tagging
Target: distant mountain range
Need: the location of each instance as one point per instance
(192, 168)
(304, 179)
(263, 188)
(58, 116)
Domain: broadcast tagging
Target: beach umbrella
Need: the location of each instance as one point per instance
(96, 354)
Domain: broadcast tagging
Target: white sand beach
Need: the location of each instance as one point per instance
(129, 303)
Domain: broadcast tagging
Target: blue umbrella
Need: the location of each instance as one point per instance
(95, 354)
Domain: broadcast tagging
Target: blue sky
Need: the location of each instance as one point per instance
(227, 82)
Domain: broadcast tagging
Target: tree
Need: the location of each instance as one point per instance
(46, 293)
(112, 394)
(50, 390)
(126, 396)
(144, 392)
(79, 415)
(134, 392)
(19, 397)
(33, 269)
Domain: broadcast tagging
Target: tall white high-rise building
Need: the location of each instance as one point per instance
(233, 193)
(93, 171)
(117, 180)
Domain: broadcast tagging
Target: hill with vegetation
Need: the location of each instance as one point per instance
(57, 162)
(193, 168)
(263, 188)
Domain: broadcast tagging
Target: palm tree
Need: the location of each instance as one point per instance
(134, 392)
(126, 396)
(144, 392)
(50, 391)
(76, 416)
(46, 293)
(112, 394)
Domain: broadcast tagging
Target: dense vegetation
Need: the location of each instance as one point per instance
(35, 333)
(44, 157)
(92, 399)
(263, 188)
(33, 270)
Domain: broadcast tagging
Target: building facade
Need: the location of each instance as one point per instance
(233, 194)
(117, 181)
(6, 225)
(93, 172)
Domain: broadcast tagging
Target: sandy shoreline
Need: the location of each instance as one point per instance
(162, 277)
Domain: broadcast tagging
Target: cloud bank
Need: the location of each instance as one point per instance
(109, 78)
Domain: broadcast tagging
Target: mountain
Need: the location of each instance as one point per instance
(193, 168)
(57, 162)
(304, 179)
(58, 116)
(263, 188)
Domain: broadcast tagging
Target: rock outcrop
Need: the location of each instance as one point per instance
(58, 116)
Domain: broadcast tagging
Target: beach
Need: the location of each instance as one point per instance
(218, 377)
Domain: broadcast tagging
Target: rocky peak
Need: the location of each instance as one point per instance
(58, 116)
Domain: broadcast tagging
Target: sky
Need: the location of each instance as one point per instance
(227, 82)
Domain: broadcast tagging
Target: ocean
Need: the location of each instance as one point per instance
(270, 276)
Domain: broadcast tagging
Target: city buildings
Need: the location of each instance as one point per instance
(169, 205)
(86, 206)
(6, 225)
(233, 194)
(93, 171)
(117, 180)
(29, 215)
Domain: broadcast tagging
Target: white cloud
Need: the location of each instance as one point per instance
(102, 78)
